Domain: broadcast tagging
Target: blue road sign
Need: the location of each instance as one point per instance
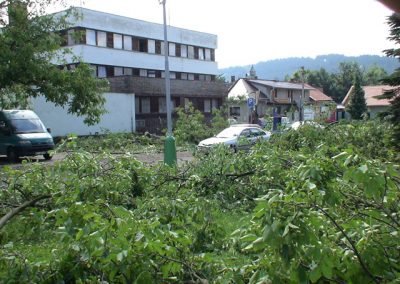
(251, 102)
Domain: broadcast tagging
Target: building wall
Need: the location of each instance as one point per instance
(375, 110)
(120, 116)
(124, 25)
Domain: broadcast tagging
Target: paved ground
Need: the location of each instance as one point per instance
(151, 158)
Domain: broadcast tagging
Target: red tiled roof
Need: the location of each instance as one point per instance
(317, 95)
(371, 92)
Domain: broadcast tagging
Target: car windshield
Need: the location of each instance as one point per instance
(27, 126)
(229, 132)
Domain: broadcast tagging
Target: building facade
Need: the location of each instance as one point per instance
(130, 54)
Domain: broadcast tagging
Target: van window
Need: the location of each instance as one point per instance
(27, 126)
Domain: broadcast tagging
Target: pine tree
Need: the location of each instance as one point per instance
(394, 80)
(357, 104)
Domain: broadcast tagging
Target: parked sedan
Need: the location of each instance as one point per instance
(238, 137)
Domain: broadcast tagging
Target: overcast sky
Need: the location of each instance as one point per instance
(251, 31)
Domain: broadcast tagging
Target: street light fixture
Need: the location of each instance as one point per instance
(169, 146)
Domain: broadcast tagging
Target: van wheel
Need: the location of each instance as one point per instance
(12, 155)
(47, 156)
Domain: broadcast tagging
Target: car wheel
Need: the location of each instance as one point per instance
(47, 156)
(12, 155)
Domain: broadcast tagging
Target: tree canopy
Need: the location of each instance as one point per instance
(336, 85)
(394, 79)
(32, 61)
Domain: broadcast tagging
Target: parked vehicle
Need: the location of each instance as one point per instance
(237, 137)
(298, 124)
(22, 133)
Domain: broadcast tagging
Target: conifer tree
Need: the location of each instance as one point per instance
(394, 80)
(357, 104)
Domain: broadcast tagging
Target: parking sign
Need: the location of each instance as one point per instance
(251, 102)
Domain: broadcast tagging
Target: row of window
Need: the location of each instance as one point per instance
(145, 105)
(103, 71)
(131, 43)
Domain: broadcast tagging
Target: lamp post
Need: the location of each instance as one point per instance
(169, 145)
(302, 95)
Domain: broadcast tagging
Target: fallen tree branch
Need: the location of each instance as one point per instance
(22, 207)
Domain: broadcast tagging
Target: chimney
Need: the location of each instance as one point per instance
(233, 79)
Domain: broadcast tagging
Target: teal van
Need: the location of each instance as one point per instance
(22, 133)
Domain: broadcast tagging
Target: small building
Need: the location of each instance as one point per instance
(374, 105)
(272, 98)
(323, 106)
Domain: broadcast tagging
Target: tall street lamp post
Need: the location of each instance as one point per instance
(169, 145)
(302, 95)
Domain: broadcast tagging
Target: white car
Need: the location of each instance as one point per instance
(296, 125)
(238, 137)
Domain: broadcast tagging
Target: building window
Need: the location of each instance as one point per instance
(118, 71)
(137, 105)
(207, 106)
(158, 47)
(177, 50)
(190, 76)
(171, 49)
(196, 52)
(110, 40)
(207, 53)
(202, 77)
(117, 41)
(143, 45)
(143, 73)
(136, 72)
(101, 72)
(128, 71)
(184, 76)
(162, 105)
(208, 78)
(212, 54)
(145, 105)
(190, 51)
(102, 39)
(110, 71)
(151, 46)
(196, 77)
(178, 75)
(71, 37)
(234, 111)
(127, 42)
(90, 37)
(172, 75)
(184, 51)
(214, 104)
(151, 73)
(201, 53)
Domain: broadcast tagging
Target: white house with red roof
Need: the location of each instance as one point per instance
(374, 105)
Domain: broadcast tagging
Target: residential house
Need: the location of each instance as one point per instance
(273, 98)
(322, 106)
(374, 105)
(130, 54)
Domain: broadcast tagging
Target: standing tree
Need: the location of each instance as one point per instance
(394, 80)
(32, 60)
(357, 104)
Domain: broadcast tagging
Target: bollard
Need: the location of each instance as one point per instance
(170, 151)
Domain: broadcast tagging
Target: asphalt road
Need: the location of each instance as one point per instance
(152, 158)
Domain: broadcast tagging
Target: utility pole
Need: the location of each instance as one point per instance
(302, 95)
(169, 145)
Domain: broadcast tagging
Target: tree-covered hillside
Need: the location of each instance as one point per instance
(277, 69)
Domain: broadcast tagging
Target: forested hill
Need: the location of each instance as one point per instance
(277, 69)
